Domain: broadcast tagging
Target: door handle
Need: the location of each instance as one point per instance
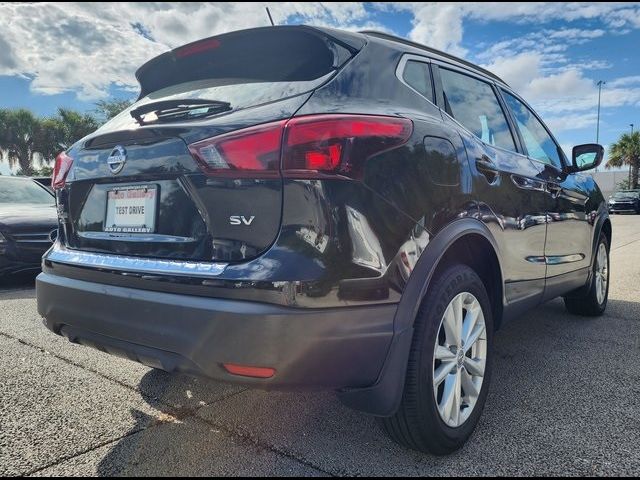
(487, 168)
(527, 183)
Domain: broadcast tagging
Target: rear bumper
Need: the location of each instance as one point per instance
(325, 349)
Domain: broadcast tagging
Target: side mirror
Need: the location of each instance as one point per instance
(586, 157)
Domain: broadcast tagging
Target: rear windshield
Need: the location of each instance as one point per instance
(248, 56)
(244, 69)
(17, 191)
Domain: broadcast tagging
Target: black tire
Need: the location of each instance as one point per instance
(417, 424)
(585, 303)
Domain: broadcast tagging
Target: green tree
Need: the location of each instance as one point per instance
(44, 171)
(623, 185)
(19, 130)
(107, 109)
(75, 125)
(50, 138)
(626, 151)
(22, 134)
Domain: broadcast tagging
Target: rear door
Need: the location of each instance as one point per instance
(569, 233)
(187, 173)
(511, 199)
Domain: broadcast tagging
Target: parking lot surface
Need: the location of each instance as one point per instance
(563, 400)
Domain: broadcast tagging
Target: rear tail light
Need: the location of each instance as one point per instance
(247, 152)
(339, 144)
(61, 170)
(303, 147)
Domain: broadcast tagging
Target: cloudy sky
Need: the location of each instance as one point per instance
(73, 54)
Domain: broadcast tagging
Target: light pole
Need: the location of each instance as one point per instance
(631, 125)
(600, 83)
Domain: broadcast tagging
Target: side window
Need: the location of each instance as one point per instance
(474, 104)
(537, 140)
(418, 76)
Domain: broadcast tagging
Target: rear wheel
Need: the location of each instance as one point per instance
(449, 366)
(594, 301)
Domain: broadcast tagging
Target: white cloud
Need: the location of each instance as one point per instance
(438, 25)
(576, 34)
(566, 99)
(571, 122)
(89, 47)
(625, 81)
(569, 83)
(517, 70)
(63, 48)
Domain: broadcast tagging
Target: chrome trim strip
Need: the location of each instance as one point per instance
(560, 259)
(136, 237)
(61, 254)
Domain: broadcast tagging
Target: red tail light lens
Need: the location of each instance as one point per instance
(244, 371)
(248, 152)
(314, 145)
(339, 144)
(61, 170)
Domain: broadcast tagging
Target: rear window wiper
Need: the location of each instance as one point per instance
(186, 109)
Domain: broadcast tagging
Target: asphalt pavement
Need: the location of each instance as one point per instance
(564, 400)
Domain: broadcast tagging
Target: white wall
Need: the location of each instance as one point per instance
(608, 179)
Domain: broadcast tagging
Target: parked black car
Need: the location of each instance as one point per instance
(296, 208)
(625, 201)
(28, 224)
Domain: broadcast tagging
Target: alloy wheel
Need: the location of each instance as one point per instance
(460, 359)
(602, 273)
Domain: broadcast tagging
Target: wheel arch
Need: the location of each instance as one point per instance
(607, 230)
(476, 251)
(603, 225)
(467, 241)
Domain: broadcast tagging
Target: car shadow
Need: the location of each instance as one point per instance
(173, 442)
(534, 384)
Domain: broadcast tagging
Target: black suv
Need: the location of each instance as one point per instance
(297, 207)
(625, 201)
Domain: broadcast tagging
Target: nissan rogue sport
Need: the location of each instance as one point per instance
(308, 208)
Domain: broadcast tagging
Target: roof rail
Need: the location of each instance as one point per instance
(394, 38)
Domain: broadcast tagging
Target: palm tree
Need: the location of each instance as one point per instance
(18, 131)
(22, 134)
(626, 151)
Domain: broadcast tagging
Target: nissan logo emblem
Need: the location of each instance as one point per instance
(117, 159)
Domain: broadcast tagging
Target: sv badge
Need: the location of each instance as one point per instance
(241, 220)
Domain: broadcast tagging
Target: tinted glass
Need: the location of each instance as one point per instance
(537, 140)
(418, 76)
(17, 191)
(474, 104)
(262, 55)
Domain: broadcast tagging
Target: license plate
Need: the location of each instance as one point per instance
(131, 209)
